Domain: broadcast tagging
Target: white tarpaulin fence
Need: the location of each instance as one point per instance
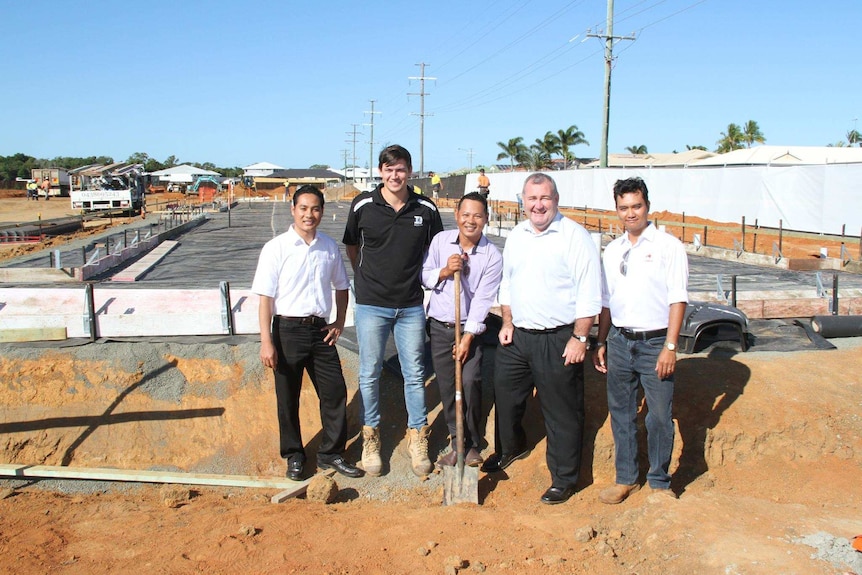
(820, 198)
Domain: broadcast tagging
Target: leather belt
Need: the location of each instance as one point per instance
(445, 324)
(569, 326)
(308, 320)
(642, 335)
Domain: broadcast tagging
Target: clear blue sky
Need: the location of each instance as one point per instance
(235, 83)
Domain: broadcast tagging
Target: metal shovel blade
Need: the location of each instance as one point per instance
(460, 484)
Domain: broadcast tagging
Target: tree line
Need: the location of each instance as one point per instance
(21, 165)
(540, 155)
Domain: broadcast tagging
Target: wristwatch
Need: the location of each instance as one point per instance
(581, 338)
(670, 346)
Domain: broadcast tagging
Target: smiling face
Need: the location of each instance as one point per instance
(632, 210)
(395, 176)
(307, 212)
(540, 204)
(471, 218)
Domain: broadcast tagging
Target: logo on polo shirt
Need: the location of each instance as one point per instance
(417, 221)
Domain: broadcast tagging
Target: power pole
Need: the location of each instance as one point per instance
(345, 167)
(469, 156)
(371, 139)
(353, 140)
(422, 93)
(609, 60)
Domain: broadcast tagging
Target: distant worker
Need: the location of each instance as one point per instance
(295, 275)
(484, 184)
(32, 190)
(46, 187)
(436, 185)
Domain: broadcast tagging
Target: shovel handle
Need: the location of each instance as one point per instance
(459, 409)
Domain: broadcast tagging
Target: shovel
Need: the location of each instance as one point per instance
(460, 483)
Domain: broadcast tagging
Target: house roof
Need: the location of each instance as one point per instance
(298, 174)
(665, 160)
(263, 166)
(183, 170)
(785, 156)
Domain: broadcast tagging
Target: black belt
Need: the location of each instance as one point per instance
(308, 320)
(642, 335)
(445, 324)
(569, 326)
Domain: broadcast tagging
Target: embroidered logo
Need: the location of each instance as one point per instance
(417, 221)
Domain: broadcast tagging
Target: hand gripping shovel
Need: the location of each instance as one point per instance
(460, 483)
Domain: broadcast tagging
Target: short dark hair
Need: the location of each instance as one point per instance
(630, 186)
(394, 153)
(538, 179)
(309, 189)
(476, 197)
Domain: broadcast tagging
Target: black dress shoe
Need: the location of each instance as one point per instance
(496, 462)
(555, 495)
(340, 465)
(295, 468)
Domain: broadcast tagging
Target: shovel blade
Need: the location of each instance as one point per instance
(460, 485)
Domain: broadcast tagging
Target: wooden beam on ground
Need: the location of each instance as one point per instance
(139, 476)
(32, 334)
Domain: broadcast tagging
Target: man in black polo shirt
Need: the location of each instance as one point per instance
(387, 234)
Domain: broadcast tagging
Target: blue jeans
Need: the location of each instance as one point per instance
(373, 326)
(631, 363)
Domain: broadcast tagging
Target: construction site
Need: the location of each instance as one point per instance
(139, 427)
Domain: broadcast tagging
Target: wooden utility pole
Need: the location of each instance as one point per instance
(371, 140)
(609, 39)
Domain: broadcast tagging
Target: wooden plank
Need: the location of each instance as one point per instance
(283, 496)
(143, 265)
(33, 334)
(140, 476)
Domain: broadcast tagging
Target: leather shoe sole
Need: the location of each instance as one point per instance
(555, 495)
(341, 466)
(497, 463)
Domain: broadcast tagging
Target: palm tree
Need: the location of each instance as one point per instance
(854, 137)
(567, 138)
(688, 147)
(751, 133)
(730, 140)
(550, 144)
(535, 158)
(514, 149)
(637, 149)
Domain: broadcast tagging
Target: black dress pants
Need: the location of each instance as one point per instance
(442, 340)
(536, 359)
(301, 347)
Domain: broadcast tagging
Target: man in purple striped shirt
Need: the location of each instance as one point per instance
(481, 265)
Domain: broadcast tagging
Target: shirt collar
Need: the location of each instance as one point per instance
(480, 247)
(296, 239)
(647, 235)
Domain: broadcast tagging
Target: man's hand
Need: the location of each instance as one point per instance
(268, 355)
(333, 332)
(460, 354)
(600, 359)
(666, 363)
(454, 263)
(505, 335)
(575, 351)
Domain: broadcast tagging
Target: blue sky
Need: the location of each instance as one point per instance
(235, 83)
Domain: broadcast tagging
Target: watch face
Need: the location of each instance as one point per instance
(671, 346)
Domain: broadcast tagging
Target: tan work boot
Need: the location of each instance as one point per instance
(417, 447)
(617, 493)
(371, 450)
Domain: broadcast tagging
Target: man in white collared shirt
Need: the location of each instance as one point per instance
(644, 297)
(550, 294)
(295, 276)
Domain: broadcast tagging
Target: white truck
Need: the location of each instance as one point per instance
(113, 187)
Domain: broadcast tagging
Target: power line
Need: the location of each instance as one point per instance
(422, 93)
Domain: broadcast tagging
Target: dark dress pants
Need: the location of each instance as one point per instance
(536, 359)
(442, 340)
(301, 347)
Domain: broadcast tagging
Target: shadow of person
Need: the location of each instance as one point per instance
(704, 388)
